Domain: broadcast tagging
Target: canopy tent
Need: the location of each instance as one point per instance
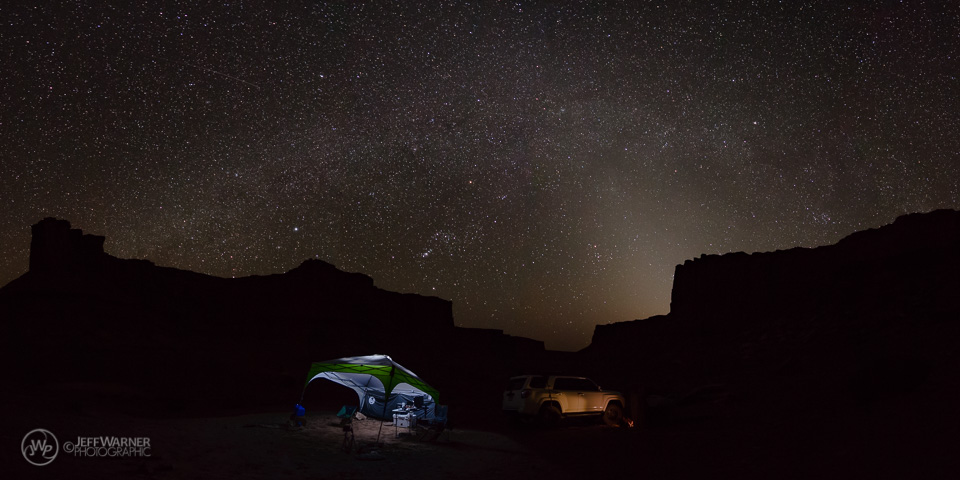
(380, 383)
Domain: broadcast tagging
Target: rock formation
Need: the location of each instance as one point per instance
(55, 246)
(915, 258)
(178, 339)
(904, 268)
(869, 324)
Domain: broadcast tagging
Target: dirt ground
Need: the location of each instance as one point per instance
(264, 445)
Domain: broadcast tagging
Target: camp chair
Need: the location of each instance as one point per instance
(346, 413)
(430, 430)
(346, 422)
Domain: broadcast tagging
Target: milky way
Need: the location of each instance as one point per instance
(544, 165)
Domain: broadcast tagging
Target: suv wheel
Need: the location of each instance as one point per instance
(612, 415)
(550, 416)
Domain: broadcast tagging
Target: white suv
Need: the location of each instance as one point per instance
(550, 398)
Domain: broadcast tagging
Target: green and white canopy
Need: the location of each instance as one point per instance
(372, 374)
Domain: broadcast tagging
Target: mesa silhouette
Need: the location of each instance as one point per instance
(846, 337)
(100, 330)
(786, 336)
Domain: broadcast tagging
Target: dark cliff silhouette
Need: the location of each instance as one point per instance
(82, 323)
(831, 362)
(844, 355)
(901, 277)
(865, 323)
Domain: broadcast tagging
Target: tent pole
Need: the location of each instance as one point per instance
(303, 393)
(386, 396)
(378, 432)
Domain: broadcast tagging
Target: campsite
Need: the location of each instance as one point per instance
(263, 446)
(707, 431)
(230, 444)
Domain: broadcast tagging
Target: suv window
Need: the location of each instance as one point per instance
(538, 382)
(577, 384)
(516, 383)
(587, 385)
(564, 384)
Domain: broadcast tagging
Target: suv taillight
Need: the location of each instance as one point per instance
(525, 393)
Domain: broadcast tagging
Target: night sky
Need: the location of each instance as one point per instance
(544, 165)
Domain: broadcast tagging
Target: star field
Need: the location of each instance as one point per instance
(544, 165)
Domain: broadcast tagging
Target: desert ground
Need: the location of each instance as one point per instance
(895, 439)
(265, 445)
